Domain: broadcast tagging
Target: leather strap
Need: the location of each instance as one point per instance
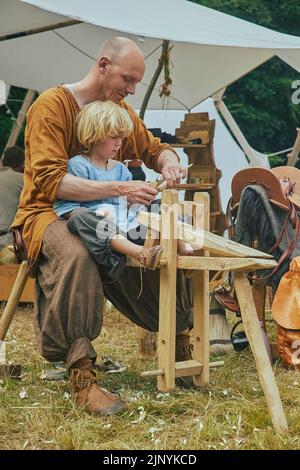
(228, 302)
(19, 245)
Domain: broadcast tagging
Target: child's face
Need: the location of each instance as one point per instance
(108, 148)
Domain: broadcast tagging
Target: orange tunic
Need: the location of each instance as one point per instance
(50, 140)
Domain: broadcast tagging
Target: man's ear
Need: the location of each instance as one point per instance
(104, 63)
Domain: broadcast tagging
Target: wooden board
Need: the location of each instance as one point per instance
(207, 240)
(8, 274)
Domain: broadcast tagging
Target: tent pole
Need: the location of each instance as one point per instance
(224, 111)
(293, 156)
(154, 79)
(29, 32)
(18, 124)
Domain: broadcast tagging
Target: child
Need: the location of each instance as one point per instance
(105, 225)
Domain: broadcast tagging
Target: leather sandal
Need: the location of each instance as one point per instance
(150, 257)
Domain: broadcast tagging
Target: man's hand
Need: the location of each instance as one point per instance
(137, 192)
(171, 168)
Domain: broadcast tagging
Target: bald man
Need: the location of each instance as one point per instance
(68, 309)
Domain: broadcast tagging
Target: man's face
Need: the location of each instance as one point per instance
(121, 77)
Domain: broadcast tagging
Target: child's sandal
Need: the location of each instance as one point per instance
(150, 257)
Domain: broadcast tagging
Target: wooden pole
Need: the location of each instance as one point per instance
(249, 151)
(154, 79)
(18, 124)
(43, 29)
(293, 156)
(13, 300)
(264, 368)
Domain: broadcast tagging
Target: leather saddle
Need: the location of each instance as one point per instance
(282, 185)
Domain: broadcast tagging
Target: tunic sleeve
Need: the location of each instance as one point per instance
(48, 155)
(142, 144)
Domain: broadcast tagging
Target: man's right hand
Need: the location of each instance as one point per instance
(137, 192)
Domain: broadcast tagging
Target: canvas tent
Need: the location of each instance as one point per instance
(210, 50)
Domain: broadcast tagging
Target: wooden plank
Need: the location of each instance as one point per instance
(195, 186)
(201, 300)
(167, 294)
(204, 239)
(224, 264)
(196, 117)
(264, 368)
(179, 367)
(8, 275)
(186, 368)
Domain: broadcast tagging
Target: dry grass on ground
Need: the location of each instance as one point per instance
(230, 414)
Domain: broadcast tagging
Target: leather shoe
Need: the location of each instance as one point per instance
(87, 394)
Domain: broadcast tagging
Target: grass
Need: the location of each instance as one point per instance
(230, 414)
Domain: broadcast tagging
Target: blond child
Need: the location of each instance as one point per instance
(108, 228)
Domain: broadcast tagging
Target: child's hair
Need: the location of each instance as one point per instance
(100, 120)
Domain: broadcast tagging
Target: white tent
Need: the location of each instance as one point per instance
(210, 50)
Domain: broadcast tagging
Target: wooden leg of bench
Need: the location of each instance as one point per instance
(201, 301)
(167, 294)
(147, 339)
(259, 296)
(264, 368)
(13, 300)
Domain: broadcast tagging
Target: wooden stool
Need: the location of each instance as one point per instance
(226, 256)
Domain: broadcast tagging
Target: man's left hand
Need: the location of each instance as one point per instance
(171, 169)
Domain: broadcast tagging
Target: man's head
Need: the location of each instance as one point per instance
(119, 67)
(13, 157)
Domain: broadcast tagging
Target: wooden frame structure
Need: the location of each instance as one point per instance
(217, 254)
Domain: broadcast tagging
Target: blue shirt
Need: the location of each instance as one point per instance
(125, 216)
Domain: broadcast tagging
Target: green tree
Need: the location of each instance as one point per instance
(261, 101)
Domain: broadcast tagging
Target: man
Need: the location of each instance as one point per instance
(11, 184)
(69, 287)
